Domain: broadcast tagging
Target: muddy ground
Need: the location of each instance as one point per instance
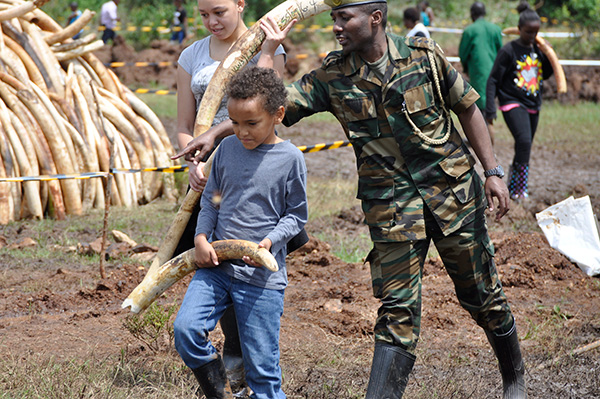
(64, 311)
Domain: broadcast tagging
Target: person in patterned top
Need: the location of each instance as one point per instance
(517, 78)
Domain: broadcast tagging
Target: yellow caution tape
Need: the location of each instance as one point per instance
(80, 176)
(324, 146)
(154, 91)
(442, 26)
(167, 169)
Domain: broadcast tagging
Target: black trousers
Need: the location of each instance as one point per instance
(522, 125)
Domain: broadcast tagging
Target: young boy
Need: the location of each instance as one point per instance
(256, 191)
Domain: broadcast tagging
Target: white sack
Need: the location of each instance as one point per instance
(571, 228)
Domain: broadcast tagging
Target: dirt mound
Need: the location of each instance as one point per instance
(62, 297)
(327, 293)
(583, 84)
(527, 260)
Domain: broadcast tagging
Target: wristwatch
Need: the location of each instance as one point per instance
(497, 171)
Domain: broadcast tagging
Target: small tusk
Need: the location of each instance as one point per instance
(160, 279)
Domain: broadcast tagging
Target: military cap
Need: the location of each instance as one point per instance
(337, 4)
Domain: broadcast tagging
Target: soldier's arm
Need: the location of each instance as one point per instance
(475, 129)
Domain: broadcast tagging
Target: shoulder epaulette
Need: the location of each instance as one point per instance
(420, 42)
(333, 58)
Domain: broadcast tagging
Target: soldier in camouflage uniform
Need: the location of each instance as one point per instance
(392, 96)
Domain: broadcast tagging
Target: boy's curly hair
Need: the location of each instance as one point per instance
(256, 81)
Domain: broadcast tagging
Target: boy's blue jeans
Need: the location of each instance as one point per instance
(258, 312)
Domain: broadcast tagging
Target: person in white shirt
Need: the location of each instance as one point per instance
(413, 23)
(108, 19)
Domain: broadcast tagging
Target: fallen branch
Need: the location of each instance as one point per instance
(574, 352)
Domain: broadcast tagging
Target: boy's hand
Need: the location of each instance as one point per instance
(266, 243)
(205, 254)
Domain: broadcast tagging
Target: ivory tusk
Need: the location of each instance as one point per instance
(64, 47)
(72, 29)
(159, 279)
(79, 51)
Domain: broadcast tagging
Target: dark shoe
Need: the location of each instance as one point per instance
(389, 372)
(213, 380)
(232, 351)
(507, 350)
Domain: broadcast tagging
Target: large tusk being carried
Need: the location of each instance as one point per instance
(242, 51)
(559, 73)
(158, 280)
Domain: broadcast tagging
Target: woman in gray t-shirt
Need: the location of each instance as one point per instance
(199, 61)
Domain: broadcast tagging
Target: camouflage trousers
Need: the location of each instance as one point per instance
(467, 254)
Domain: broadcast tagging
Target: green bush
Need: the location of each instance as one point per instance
(154, 327)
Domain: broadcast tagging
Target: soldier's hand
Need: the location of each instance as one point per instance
(495, 187)
(274, 36)
(196, 149)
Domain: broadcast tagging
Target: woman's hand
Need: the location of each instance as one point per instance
(197, 179)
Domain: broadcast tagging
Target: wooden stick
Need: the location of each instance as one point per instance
(574, 352)
(108, 182)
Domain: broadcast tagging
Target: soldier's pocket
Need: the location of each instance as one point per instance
(422, 110)
(458, 168)
(377, 196)
(360, 114)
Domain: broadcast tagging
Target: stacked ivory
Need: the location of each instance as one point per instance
(60, 110)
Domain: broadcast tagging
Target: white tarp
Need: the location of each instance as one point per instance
(571, 228)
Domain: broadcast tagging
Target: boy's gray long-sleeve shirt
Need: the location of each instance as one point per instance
(252, 195)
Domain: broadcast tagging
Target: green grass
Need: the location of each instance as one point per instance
(569, 127)
(37, 377)
(328, 197)
(163, 106)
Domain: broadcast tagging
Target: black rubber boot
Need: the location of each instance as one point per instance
(507, 350)
(213, 380)
(389, 372)
(232, 350)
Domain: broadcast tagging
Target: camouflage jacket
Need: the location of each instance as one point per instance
(399, 172)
